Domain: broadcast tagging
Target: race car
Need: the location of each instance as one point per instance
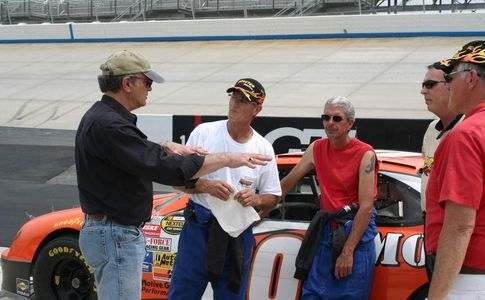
(44, 260)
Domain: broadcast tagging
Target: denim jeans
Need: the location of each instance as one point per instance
(115, 254)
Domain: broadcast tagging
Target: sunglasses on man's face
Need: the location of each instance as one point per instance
(449, 77)
(429, 84)
(147, 81)
(336, 119)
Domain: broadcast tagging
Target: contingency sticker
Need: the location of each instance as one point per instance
(23, 287)
(172, 224)
(152, 230)
(158, 244)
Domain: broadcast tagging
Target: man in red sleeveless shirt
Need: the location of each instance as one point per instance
(347, 173)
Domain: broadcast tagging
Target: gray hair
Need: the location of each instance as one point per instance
(110, 83)
(344, 103)
(470, 66)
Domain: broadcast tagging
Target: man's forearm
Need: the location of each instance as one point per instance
(452, 246)
(267, 201)
(359, 226)
(199, 187)
(212, 162)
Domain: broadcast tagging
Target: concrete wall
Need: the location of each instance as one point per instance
(314, 27)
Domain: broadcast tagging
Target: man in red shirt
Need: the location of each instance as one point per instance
(347, 173)
(455, 223)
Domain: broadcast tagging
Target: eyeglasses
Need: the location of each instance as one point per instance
(148, 82)
(336, 119)
(429, 84)
(241, 98)
(449, 77)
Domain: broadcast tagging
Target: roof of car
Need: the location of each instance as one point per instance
(390, 160)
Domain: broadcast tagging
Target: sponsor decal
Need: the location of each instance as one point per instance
(158, 244)
(152, 230)
(147, 267)
(77, 221)
(23, 287)
(154, 288)
(172, 224)
(148, 257)
(161, 259)
(163, 274)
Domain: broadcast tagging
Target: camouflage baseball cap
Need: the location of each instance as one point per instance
(472, 52)
(126, 62)
(251, 88)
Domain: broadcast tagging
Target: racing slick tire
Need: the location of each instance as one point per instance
(61, 273)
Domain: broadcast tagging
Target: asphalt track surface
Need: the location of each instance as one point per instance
(52, 85)
(37, 176)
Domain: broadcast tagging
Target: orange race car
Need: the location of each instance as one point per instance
(44, 260)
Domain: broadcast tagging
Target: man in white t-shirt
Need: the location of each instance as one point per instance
(436, 95)
(206, 253)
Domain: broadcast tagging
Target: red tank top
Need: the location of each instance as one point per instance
(338, 172)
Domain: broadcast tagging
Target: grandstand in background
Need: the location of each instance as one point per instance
(57, 11)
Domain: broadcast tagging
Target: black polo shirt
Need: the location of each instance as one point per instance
(116, 164)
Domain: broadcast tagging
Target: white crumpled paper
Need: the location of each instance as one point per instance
(232, 216)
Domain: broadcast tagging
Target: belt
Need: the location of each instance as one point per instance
(100, 217)
(471, 271)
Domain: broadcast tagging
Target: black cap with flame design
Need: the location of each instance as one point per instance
(472, 52)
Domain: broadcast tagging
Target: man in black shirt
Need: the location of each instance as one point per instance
(116, 166)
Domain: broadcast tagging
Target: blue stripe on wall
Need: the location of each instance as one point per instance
(72, 39)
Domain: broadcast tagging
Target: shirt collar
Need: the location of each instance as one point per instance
(439, 126)
(116, 106)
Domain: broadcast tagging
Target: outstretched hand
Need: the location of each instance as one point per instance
(250, 160)
(174, 148)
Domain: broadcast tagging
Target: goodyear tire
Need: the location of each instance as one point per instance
(61, 273)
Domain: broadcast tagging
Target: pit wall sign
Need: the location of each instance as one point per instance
(290, 134)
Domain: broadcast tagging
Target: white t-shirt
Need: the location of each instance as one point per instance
(431, 141)
(215, 138)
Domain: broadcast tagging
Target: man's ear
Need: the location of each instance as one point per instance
(126, 84)
(258, 109)
(474, 78)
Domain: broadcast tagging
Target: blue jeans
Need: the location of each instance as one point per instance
(115, 254)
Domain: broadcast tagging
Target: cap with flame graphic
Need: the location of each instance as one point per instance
(472, 52)
(251, 88)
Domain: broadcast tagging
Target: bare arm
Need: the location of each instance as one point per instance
(213, 162)
(305, 164)
(172, 148)
(264, 202)
(453, 242)
(345, 261)
(216, 188)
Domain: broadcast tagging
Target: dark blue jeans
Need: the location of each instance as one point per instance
(322, 284)
(189, 278)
